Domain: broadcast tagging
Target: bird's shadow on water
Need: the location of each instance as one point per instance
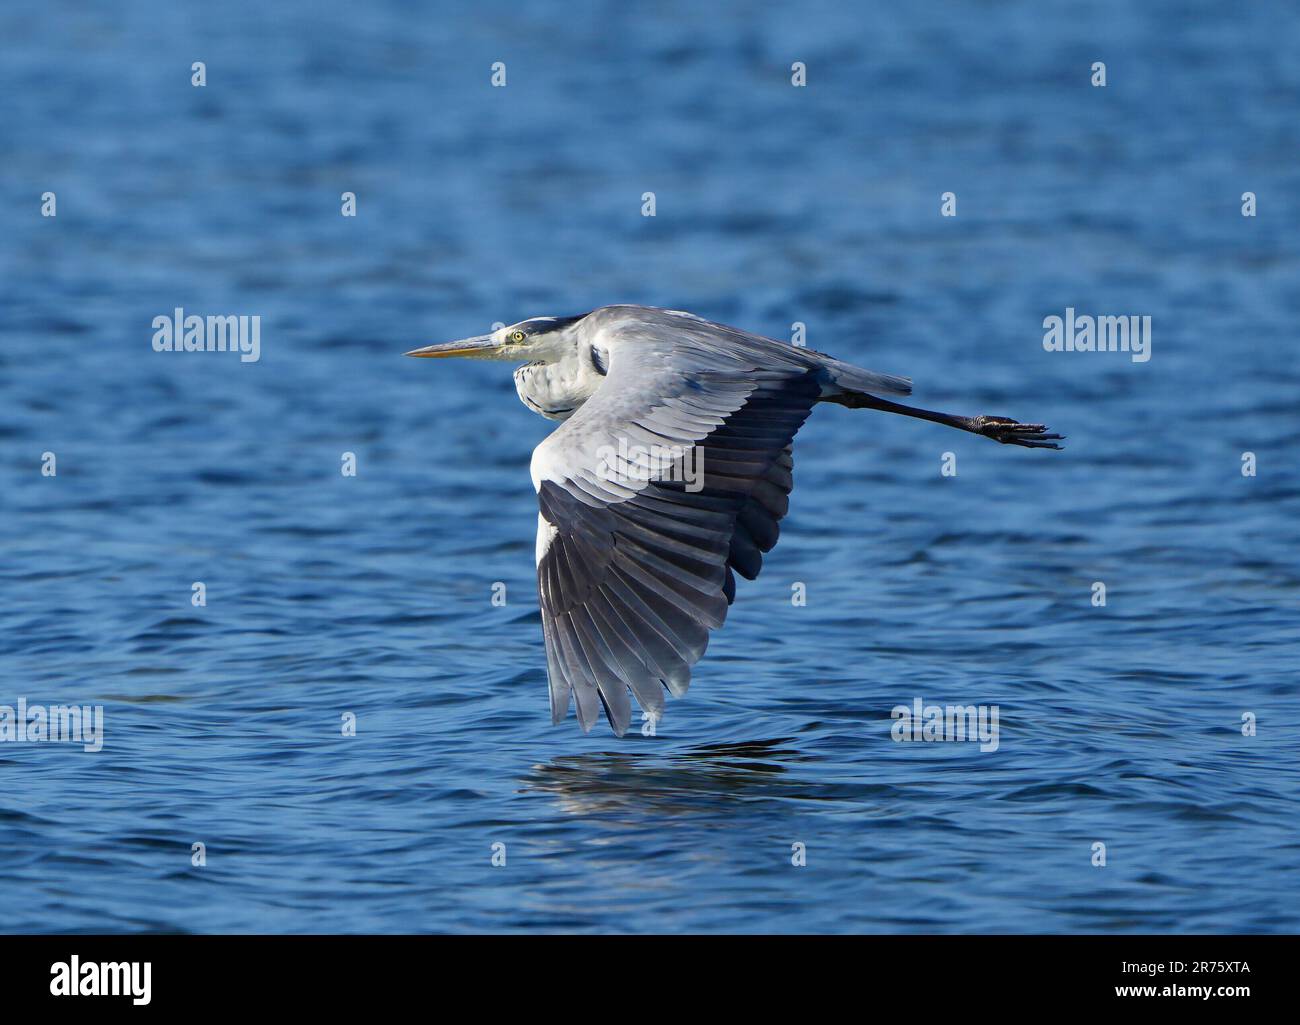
(704, 778)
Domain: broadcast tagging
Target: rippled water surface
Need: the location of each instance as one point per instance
(371, 595)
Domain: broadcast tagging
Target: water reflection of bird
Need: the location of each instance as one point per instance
(670, 474)
(708, 779)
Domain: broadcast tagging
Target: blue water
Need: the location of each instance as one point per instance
(371, 594)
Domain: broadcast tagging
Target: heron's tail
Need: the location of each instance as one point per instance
(856, 379)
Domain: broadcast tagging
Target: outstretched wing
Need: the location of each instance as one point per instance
(672, 476)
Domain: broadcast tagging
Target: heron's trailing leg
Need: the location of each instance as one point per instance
(999, 428)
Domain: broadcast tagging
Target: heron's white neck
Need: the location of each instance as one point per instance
(557, 389)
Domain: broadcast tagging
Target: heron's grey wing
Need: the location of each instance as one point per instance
(633, 573)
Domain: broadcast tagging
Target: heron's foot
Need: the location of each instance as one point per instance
(1011, 432)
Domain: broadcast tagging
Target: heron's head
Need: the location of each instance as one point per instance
(537, 340)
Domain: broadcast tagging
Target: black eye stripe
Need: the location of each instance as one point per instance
(545, 325)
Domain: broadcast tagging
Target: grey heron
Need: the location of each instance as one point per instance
(636, 558)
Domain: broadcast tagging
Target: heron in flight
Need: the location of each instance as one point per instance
(670, 474)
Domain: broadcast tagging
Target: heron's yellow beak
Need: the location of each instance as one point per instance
(481, 347)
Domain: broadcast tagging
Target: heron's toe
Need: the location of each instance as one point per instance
(1006, 431)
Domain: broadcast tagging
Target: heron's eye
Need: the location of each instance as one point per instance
(516, 336)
